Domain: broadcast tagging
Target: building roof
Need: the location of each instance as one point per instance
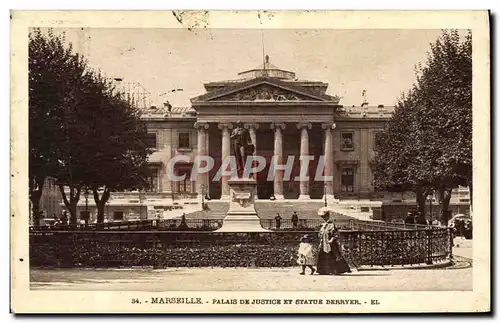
(168, 112)
(232, 88)
(365, 111)
(268, 75)
(267, 69)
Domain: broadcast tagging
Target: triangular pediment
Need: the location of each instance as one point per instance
(263, 90)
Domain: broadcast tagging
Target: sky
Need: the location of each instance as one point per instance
(379, 61)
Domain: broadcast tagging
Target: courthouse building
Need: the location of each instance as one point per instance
(286, 117)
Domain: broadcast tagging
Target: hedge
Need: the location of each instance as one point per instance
(208, 249)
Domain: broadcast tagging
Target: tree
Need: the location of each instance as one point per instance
(429, 139)
(445, 91)
(396, 168)
(107, 145)
(117, 140)
(52, 68)
(81, 132)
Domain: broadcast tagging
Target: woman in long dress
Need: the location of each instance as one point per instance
(330, 260)
(340, 265)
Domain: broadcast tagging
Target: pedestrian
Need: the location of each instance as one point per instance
(65, 218)
(340, 265)
(330, 260)
(277, 219)
(420, 219)
(410, 218)
(295, 219)
(305, 255)
(346, 252)
(183, 225)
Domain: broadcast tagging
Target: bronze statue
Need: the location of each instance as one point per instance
(242, 146)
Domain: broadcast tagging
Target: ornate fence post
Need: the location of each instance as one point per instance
(428, 238)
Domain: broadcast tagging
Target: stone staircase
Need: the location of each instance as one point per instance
(267, 210)
(215, 210)
(305, 210)
(358, 209)
(176, 213)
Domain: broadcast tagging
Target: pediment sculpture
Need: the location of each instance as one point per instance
(264, 92)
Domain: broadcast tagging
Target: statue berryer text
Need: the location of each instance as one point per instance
(242, 147)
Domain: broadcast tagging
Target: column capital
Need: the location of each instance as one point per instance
(223, 125)
(251, 125)
(278, 125)
(301, 125)
(329, 125)
(201, 125)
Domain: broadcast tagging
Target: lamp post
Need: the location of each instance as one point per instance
(87, 215)
(202, 196)
(431, 197)
(324, 193)
(141, 201)
(86, 200)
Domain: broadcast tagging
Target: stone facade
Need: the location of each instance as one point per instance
(285, 117)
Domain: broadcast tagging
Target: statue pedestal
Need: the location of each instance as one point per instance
(242, 216)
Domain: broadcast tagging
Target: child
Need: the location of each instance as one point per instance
(306, 258)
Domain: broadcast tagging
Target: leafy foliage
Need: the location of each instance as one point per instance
(81, 132)
(53, 73)
(427, 146)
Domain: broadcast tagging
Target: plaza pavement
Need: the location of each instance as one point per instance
(462, 247)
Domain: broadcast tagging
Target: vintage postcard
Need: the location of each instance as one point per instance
(250, 161)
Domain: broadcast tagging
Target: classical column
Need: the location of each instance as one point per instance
(202, 150)
(252, 129)
(226, 153)
(304, 153)
(328, 127)
(167, 147)
(278, 155)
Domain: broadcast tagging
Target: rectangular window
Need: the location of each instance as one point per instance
(184, 140)
(153, 180)
(185, 184)
(151, 140)
(118, 216)
(347, 142)
(347, 180)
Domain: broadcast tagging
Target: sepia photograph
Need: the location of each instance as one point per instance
(282, 163)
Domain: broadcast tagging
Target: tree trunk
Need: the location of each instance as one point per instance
(444, 195)
(35, 201)
(36, 190)
(101, 203)
(74, 197)
(421, 196)
(470, 195)
(36, 212)
(100, 212)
